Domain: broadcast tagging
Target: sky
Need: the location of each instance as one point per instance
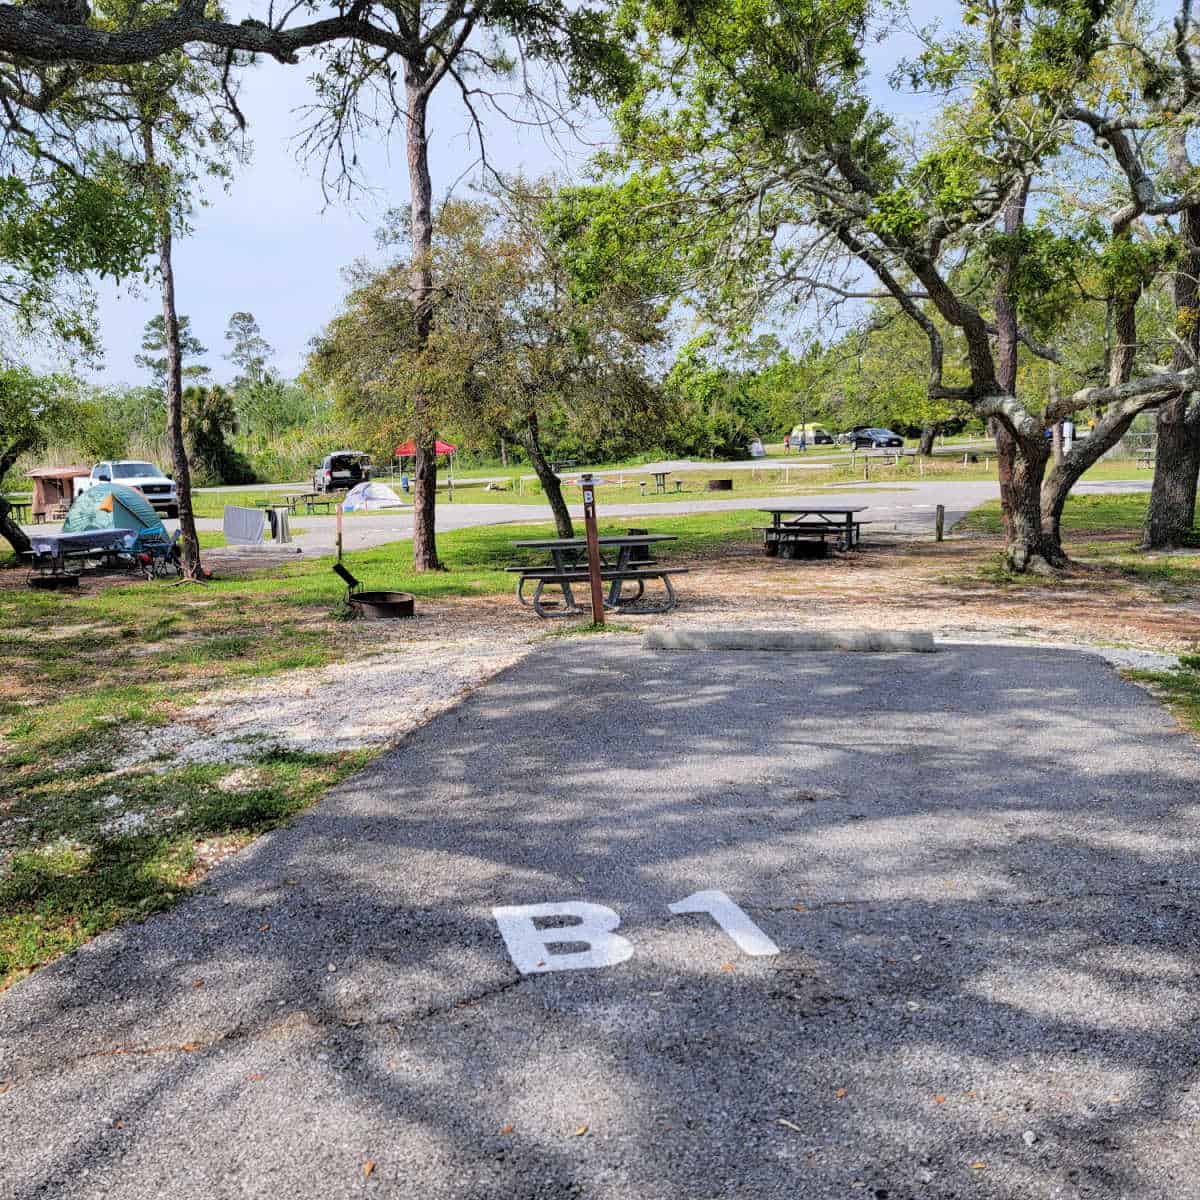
(273, 245)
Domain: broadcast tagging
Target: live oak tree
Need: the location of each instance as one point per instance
(66, 208)
(1141, 112)
(381, 61)
(179, 119)
(513, 347)
(751, 151)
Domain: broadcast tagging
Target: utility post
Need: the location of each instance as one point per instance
(593, 547)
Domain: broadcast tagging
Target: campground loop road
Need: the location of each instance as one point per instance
(908, 506)
(979, 867)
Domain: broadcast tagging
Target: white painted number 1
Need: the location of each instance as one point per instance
(592, 927)
(747, 936)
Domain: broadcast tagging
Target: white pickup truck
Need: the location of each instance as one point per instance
(144, 476)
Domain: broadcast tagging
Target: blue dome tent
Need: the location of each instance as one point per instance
(114, 506)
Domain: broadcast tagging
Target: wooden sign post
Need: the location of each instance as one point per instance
(339, 532)
(593, 547)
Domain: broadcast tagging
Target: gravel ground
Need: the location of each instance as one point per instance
(366, 702)
(979, 866)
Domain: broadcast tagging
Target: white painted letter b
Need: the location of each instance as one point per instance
(529, 946)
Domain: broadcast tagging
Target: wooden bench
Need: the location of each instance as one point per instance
(615, 577)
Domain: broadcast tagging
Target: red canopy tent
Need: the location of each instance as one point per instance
(409, 448)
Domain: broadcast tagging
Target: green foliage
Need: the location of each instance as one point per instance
(249, 351)
(154, 358)
(514, 351)
(58, 225)
(209, 418)
(33, 410)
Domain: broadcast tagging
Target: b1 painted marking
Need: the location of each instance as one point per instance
(529, 945)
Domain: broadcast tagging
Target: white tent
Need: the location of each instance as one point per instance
(364, 497)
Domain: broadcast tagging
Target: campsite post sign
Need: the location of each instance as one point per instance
(593, 547)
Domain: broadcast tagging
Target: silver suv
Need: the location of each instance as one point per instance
(341, 470)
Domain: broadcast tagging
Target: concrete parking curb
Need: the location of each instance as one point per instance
(913, 641)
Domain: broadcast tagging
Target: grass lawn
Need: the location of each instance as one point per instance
(1101, 534)
(1179, 689)
(1123, 511)
(82, 848)
(774, 478)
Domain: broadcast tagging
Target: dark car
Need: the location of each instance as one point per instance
(873, 438)
(341, 470)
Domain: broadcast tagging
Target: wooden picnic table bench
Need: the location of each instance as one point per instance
(314, 500)
(811, 523)
(19, 510)
(568, 566)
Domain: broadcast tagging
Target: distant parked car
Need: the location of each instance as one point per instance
(143, 476)
(873, 438)
(342, 470)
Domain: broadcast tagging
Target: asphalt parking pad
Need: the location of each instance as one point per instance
(944, 944)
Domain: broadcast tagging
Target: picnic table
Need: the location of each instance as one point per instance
(624, 559)
(19, 509)
(49, 552)
(314, 500)
(811, 523)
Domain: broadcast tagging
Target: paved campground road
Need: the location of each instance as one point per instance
(910, 507)
(978, 869)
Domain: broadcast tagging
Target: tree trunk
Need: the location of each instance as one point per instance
(1070, 467)
(551, 484)
(10, 530)
(1029, 548)
(1172, 509)
(1110, 427)
(425, 556)
(928, 433)
(190, 540)
(1014, 492)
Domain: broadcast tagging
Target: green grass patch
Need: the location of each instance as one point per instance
(591, 628)
(1098, 532)
(106, 849)
(1082, 514)
(1179, 689)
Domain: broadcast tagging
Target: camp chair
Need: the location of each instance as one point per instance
(157, 556)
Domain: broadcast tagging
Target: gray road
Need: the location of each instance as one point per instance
(909, 508)
(979, 868)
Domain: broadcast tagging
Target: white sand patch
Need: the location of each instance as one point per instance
(129, 822)
(346, 706)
